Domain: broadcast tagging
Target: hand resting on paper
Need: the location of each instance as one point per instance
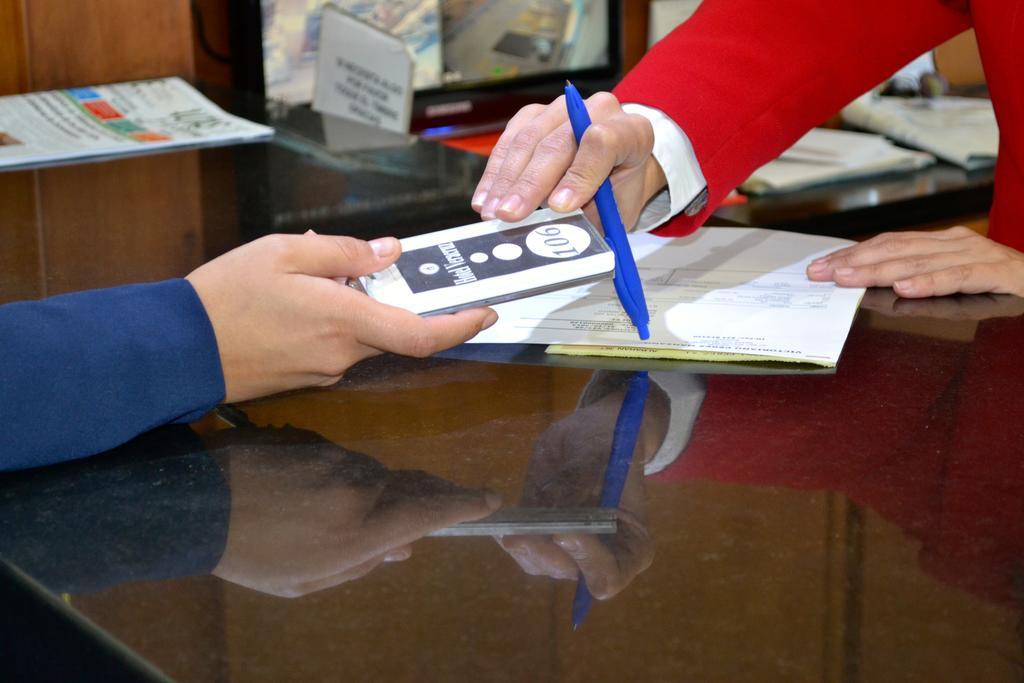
(284, 319)
(536, 161)
(924, 264)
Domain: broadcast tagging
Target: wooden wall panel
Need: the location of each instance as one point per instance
(131, 220)
(635, 17)
(13, 58)
(102, 41)
(20, 264)
(215, 18)
(90, 235)
(959, 61)
(53, 44)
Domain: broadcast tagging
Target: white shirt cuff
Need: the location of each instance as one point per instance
(687, 189)
(685, 393)
(685, 396)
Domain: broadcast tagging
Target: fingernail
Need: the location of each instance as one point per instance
(492, 499)
(398, 554)
(820, 259)
(817, 267)
(489, 208)
(905, 286)
(511, 203)
(844, 272)
(491, 318)
(478, 200)
(384, 247)
(563, 199)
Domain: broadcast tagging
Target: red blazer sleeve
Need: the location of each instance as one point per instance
(746, 78)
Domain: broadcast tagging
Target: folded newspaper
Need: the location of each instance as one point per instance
(824, 156)
(960, 130)
(121, 118)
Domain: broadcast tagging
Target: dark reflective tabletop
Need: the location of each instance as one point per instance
(862, 524)
(938, 194)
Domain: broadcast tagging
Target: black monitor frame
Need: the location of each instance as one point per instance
(456, 108)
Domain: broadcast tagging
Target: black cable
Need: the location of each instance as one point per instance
(197, 17)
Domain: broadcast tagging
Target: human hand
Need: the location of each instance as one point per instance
(566, 471)
(957, 307)
(923, 264)
(307, 514)
(284, 319)
(536, 160)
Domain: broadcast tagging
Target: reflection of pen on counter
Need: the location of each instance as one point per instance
(627, 280)
(624, 438)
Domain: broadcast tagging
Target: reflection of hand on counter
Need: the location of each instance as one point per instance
(279, 510)
(307, 514)
(566, 471)
(959, 307)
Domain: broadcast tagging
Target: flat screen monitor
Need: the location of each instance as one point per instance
(477, 61)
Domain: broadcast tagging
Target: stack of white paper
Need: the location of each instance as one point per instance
(960, 130)
(825, 155)
(721, 293)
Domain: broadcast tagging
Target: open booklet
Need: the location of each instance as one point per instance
(720, 294)
(122, 118)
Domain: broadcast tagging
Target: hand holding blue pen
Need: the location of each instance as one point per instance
(627, 282)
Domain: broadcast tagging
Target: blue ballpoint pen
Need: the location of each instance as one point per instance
(627, 279)
(627, 429)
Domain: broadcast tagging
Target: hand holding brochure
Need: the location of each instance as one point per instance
(123, 118)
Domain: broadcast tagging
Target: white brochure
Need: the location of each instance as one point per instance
(725, 293)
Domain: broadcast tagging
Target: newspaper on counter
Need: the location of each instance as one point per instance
(825, 155)
(960, 130)
(122, 118)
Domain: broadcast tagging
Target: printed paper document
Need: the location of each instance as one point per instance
(723, 293)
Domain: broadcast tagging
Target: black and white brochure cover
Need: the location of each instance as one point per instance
(486, 263)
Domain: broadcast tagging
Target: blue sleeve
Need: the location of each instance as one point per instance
(82, 373)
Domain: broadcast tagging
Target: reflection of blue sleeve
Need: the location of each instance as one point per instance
(156, 509)
(84, 372)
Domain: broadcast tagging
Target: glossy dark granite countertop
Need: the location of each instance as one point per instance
(865, 524)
